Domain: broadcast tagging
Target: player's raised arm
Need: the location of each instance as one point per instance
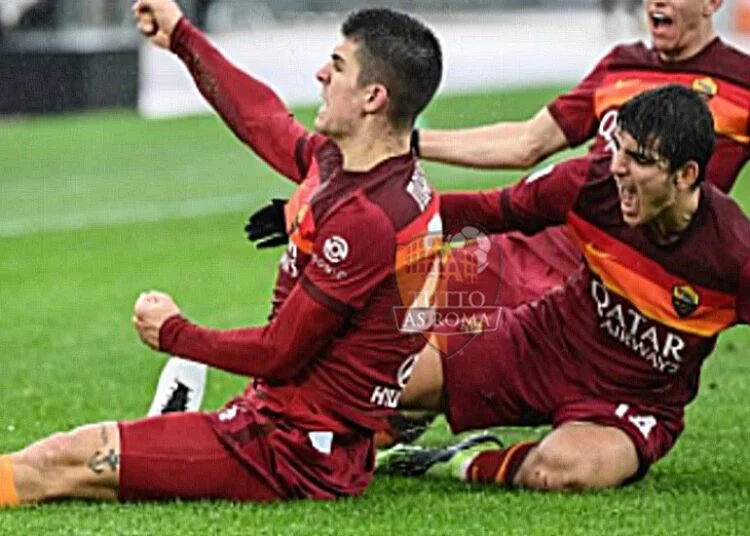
(543, 199)
(249, 107)
(515, 144)
(567, 121)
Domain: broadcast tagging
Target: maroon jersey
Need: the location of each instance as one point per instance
(334, 358)
(719, 72)
(636, 321)
(346, 248)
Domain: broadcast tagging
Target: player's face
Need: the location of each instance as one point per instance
(678, 26)
(341, 111)
(644, 180)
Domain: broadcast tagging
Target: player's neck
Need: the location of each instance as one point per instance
(702, 39)
(672, 222)
(368, 148)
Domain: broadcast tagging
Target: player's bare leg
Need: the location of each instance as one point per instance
(579, 456)
(81, 464)
(575, 456)
(424, 390)
(420, 402)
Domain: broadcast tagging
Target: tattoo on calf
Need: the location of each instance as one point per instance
(100, 461)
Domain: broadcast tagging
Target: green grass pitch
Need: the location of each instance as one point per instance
(96, 208)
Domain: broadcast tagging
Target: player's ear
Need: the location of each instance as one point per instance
(687, 175)
(376, 98)
(711, 6)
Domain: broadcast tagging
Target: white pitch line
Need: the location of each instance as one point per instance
(140, 213)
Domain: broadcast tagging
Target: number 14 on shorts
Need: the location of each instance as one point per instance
(644, 423)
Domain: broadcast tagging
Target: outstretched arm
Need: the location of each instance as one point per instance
(249, 107)
(512, 145)
(567, 121)
(540, 200)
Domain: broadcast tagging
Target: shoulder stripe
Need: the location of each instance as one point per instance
(729, 103)
(657, 294)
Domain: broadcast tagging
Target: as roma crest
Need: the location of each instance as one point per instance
(705, 87)
(685, 300)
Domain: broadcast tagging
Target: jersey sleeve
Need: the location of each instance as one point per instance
(250, 108)
(353, 253)
(542, 199)
(276, 351)
(743, 298)
(575, 111)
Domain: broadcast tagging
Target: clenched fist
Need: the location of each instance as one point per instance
(156, 19)
(151, 311)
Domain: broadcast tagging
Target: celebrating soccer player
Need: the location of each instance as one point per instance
(304, 427)
(685, 49)
(611, 358)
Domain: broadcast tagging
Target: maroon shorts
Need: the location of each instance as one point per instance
(514, 376)
(238, 453)
(510, 269)
(528, 266)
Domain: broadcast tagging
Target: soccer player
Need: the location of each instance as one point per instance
(304, 427)
(685, 49)
(611, 358)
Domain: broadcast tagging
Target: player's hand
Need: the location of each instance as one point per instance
(267, 226)
(151, 311)
(157, 19)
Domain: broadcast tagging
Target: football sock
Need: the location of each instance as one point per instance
(497, 466)
(8, 492)
(456, 466)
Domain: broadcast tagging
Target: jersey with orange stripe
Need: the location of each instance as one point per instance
(719, 72)
(361, 244)
(637, 319)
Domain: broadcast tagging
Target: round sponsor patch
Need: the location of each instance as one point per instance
(335, 249)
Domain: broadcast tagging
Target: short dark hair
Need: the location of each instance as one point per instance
(401, 53)
(673, 120)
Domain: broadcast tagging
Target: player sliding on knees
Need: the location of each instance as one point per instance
(304, 426)
(684, 49)
(611, 358)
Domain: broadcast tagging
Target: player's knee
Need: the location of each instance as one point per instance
(51, 453)
(553, 470)
(42, 466)
(54, 459)
(424, 389)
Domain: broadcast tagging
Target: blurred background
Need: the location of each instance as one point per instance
(66, 55)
